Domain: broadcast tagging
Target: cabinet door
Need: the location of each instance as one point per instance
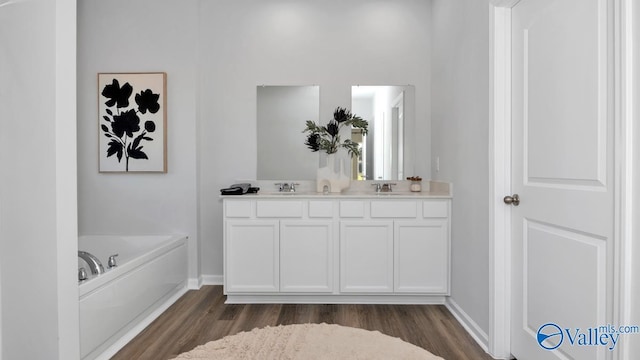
(421, 263)
(251, 256)
(306, 256)
(366, 256)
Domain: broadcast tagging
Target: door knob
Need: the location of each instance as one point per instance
(513, 199)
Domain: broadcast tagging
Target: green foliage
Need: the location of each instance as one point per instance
(327, 138)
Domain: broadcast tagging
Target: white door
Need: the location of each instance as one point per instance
(562, 166)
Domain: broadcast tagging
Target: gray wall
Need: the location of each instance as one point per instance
(460, 127)
(332, 43)
(140, 36)
(215, 54)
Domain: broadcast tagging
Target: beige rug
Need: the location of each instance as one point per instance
(309, 341)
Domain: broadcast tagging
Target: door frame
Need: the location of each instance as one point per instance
(500, 173)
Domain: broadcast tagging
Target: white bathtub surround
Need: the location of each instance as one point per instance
(353, 247)
(115, 306)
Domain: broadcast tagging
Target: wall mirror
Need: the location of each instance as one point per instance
(386, 150)
(390, 111)
(281, 115)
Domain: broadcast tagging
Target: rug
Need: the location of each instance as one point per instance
(308, 341)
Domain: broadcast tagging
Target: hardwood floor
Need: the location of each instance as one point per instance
(201, 316)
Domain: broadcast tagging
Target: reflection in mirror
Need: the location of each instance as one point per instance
(390, 113)
(281, 115)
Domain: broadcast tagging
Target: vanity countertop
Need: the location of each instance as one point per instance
(347, 194)
(432, 190)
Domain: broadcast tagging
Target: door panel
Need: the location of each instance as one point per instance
(366, 256)
(251, 252)
(421, 254)
(306, 256)
(564, 139)
(562, 170)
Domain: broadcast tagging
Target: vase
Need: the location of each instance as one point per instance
(416, 186)
(332, 178)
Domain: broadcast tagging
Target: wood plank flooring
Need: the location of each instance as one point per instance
(201, 316)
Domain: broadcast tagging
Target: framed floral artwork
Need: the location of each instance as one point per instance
(133, 122)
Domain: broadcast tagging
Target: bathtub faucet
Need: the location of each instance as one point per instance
(94, 264)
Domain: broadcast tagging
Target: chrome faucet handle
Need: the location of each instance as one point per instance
(111, 263)
(378, 186)
(280, 185)
(292, 186)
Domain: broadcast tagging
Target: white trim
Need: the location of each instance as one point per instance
(194, 283)
(623, 180)
(211, 280)
(66, 180)
(468, 324)
(500, 172)
(409, 299)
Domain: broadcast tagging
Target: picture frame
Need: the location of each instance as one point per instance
(132, 120)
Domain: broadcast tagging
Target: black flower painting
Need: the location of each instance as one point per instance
(130, 116)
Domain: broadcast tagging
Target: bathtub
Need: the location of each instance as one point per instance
(118, 304)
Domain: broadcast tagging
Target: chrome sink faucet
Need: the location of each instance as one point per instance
(287, 187)
(94, 264)
(386, 187)
(383, 187)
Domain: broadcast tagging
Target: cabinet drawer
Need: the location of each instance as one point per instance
(286, 209)
(394, 209)
(352, 209)
(320, 209)
(237, 209)
(435, 208)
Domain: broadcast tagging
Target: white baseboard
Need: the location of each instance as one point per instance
(197, 283)
(335, 299)
(211, 280)
(467, 322)
(194, 283)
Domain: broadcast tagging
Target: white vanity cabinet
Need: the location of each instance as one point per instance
(366, 256)
(270, 247)
(421, 256)
(336, 249)
(306, 256)
(252, 256)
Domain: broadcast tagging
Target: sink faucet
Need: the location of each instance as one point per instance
(287, 187)
(385, 187)
(94, 264)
